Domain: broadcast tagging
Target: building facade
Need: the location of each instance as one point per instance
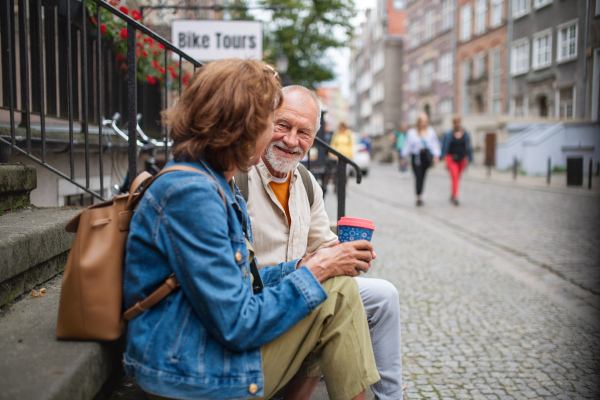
(429, 67)
(481, 57)
(548, 54)
(375, 100)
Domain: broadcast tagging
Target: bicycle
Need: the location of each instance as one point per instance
(145, 144)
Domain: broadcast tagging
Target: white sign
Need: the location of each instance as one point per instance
(213, 40)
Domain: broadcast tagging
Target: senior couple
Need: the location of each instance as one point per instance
(229, 331)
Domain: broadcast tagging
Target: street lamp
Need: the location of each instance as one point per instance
(282, 63)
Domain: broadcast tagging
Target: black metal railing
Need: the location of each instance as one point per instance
(67, 72)
(57, 67)
(322, 170)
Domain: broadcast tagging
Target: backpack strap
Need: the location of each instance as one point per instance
(241, 180)
(310, 192)
(171, 283)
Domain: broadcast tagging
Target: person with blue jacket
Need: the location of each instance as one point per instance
(231, 331)
(456, 150)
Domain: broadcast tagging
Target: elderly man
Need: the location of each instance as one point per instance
(286, 226)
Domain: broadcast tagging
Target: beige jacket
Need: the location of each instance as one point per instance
(273, 240)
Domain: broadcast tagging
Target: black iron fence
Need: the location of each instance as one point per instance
(57, 67)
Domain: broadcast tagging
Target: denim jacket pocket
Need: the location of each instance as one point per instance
(182, 335)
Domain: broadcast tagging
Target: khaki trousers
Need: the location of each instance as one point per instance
(334, 339)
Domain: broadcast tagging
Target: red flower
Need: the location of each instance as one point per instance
(150, 40)
(150, 79)
(155, 63)
(155, 52)
(135, 14)
(124, 67)
(161, 70)
(124, 33)
(170, 68)
(93, 20)
(103, 29)
(174, 75)
(185, 80)
(124, 10)
(120, 57)
(161, 46)
(145, 53)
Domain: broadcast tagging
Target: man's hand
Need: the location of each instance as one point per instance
(349, 258)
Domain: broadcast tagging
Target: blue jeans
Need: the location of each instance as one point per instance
(380, 299)
(402, 168)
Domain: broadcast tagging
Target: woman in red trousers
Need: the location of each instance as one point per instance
(456, 150)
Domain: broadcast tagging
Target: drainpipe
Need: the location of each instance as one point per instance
(509, 38)
(454, 40)
(585, 44)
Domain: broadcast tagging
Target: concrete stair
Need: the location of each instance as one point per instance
(33, 252)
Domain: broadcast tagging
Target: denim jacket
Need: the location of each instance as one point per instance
(447, 139)
(203, 340)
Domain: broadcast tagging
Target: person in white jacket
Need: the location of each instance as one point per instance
(424, 148)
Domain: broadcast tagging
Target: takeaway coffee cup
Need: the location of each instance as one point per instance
(350, 229)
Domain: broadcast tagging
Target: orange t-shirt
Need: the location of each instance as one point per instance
(282, 192)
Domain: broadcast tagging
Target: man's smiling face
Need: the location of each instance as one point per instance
(294, 133)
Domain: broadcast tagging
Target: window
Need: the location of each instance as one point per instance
(445, 67)
(413, 79)
(466, 75)
(520, 57)
(540, 3)
(398, 4)
(542, 50)
(427, 74)
(445, 107)
(480, 16)
(496, 84)
(466, 18)
(496, 14)
(520, 107)
(479, 66)
(414, 31)
(520, 8)
(566, 105)
(447, 20)
(428, 22)
(567, 42)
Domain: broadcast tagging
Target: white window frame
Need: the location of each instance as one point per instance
(520, 8)
(560, 104)
(535, 62)
(497, 13)
(496, 81)
(413, 79)
(427, 74)
(481, 9)
(537, 4)
(516, 68)
(466, 23)
(445, 67)
(479, 65)
(428, 25)
(445, 107)
(415, 28)
(398, 4)
(447, 11)
(559, 41)
(466, 75)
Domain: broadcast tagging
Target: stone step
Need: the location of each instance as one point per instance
(33, 248)
(16, 183)
(35, 365)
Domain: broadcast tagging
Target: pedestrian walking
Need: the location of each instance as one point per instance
(424, 148)
(399, 138)
(456, 150)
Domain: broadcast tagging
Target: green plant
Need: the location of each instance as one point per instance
(559, 169)
(11, 295)
(150, 54)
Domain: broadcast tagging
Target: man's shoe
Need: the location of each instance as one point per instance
(419, 203)
(455, 201)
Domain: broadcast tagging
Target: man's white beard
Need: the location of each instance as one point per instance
(281, 164)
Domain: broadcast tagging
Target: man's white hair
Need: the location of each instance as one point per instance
(302, 89)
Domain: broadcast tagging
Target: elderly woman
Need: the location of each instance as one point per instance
(215, 337)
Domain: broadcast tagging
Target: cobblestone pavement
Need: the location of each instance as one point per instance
(499, 296)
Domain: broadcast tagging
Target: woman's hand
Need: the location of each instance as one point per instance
(435, 160)
(349, 258)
